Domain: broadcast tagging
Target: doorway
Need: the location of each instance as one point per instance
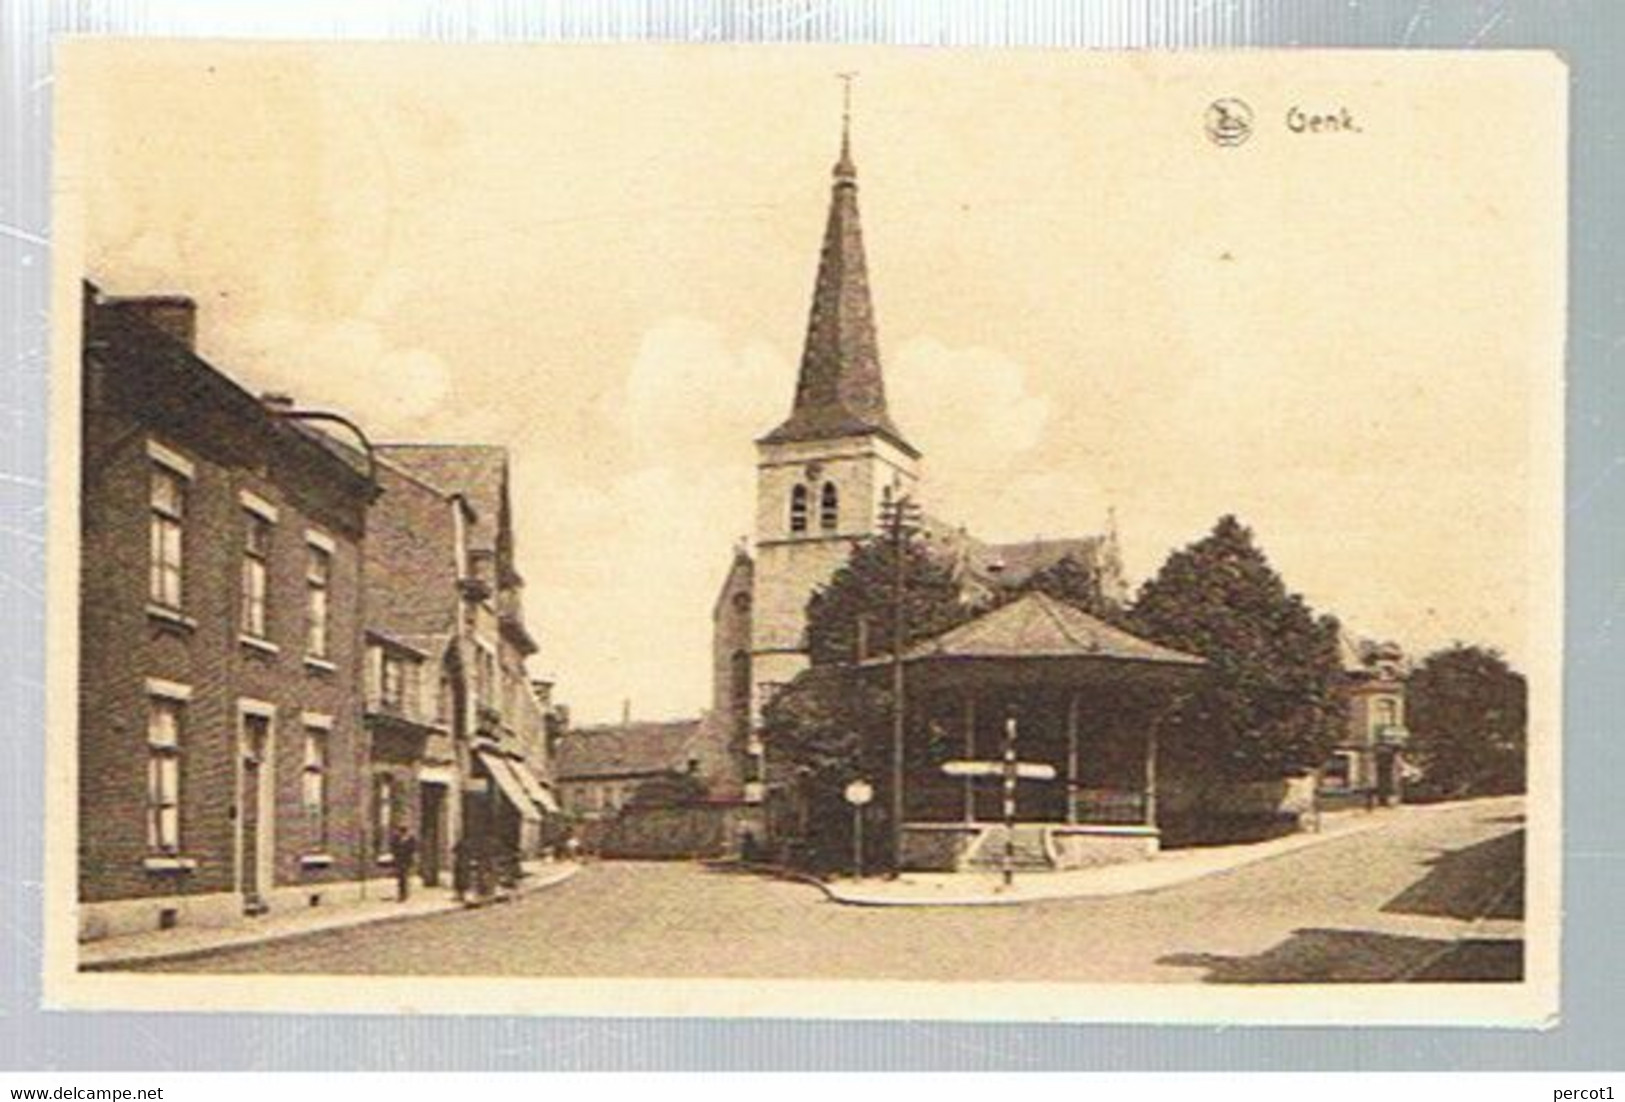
(255, 822)
(431, 820)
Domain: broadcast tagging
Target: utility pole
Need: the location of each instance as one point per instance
(900, 519)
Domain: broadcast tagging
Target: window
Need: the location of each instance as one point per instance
(256, 569)
(168, 519)
(739, 689)
(829, 507)
(318, 581)
(383, 812)
(1385, 713)
(392, 682)
(164, 774)
(485, 673)
(798, 509)
(313, 783)
(442, 700)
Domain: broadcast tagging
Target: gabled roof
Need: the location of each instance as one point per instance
(840, 391)
(1037, 625)
(625, 750)
(475, 472)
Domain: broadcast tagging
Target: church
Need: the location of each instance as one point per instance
(825, 477)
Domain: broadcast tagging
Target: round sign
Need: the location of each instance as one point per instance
(859, 793)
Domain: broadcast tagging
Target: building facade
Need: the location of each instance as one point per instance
(1368, 762)
(448, 571)
(220, 741)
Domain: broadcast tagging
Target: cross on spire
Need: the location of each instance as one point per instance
(844, 168)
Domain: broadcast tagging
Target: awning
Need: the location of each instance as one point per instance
(534, 788)
(507, 779)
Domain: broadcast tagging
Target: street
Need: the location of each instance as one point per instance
(1389, 904)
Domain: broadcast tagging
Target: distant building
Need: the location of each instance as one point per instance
(1368, 761)
(600, 769)
(220, 711)
(654, 790)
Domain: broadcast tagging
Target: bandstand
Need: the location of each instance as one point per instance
(1063, 689)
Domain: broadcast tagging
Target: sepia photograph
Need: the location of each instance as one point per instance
(807, 531)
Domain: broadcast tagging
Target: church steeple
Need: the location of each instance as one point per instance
(840, 391)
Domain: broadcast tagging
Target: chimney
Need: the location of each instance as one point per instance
(173, 315)
(277, 401)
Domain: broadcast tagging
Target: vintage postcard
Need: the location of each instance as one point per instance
(808, 532)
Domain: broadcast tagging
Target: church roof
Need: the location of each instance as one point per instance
(839, 391)
(1037, 625)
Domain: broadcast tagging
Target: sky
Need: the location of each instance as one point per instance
(603, 260)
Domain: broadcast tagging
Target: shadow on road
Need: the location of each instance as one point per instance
(1358, 956)
(1484, 879)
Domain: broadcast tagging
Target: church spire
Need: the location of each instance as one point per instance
(840, 391)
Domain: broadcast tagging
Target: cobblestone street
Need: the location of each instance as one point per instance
(1434, 894)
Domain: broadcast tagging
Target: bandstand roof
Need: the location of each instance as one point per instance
(1038, 630)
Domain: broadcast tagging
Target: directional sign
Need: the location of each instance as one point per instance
(1025, 770)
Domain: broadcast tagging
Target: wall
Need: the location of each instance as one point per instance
(123, 646)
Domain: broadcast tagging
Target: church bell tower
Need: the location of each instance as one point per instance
(824, 476)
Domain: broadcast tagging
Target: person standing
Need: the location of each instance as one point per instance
(403, 851)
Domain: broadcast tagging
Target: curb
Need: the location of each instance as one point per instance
(1056, 893)
(160, 955)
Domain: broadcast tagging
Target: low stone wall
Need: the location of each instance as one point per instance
(949, 847)
(938, 847)
(1086, 847)
(676, 833)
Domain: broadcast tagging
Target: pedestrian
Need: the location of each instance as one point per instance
(462, 868)
(403, 851)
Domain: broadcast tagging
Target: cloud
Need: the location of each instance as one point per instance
(975, 415)
(681, 362)
(348, 365)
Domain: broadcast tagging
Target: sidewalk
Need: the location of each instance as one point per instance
(187, 941)
(959, 889)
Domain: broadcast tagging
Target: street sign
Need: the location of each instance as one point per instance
(1025, 770)
(859, 793)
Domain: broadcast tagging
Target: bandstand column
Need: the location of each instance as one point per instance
(970, 755)
(1151, 771)
(1072, 759)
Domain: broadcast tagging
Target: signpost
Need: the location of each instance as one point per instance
(1010, 771)
(858, 794)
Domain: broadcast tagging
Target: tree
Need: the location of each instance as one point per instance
(832, 725)
(852, 613)
(1067, 579)
(1468, 712)
(1270, 706)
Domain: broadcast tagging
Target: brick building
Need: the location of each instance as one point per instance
(220, 752)
(450, 617)
(1368, 761)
